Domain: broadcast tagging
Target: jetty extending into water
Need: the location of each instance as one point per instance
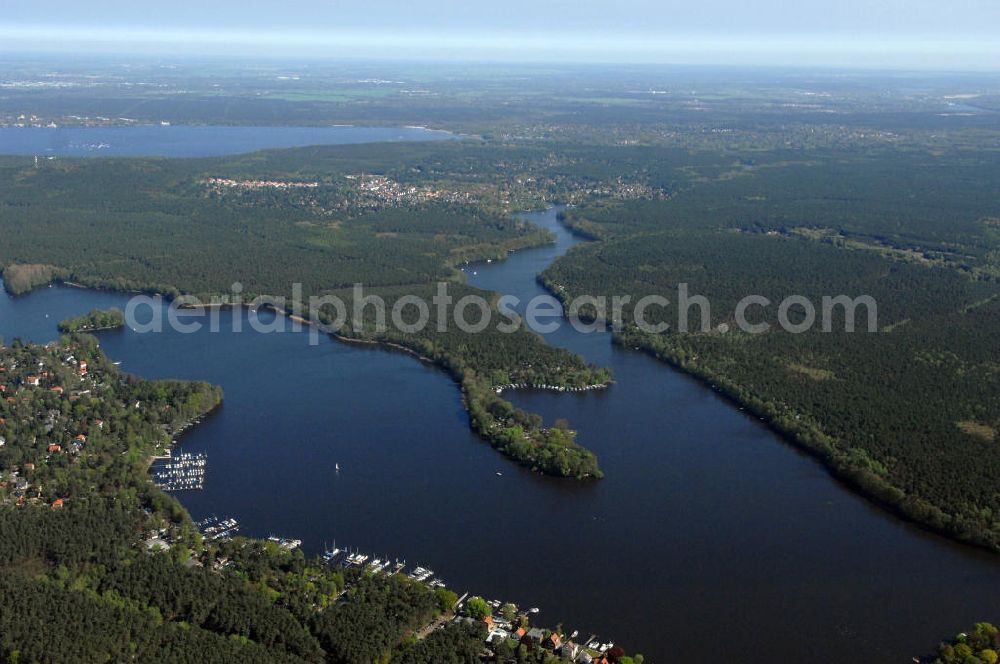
(213, 528)
(379, 565)
(182, 472)
(555, 388)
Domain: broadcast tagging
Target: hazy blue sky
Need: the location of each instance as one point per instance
(934, 33)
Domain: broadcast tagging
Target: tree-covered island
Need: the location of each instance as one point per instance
(95, 321)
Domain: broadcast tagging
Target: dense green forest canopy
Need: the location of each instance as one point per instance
(155, 224)
(900, 412)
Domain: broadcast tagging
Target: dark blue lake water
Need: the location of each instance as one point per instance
(192, 141)
(710, 539)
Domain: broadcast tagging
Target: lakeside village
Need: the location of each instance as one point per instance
(355, 193)
(17, 480)
(503, 621)
(362, 192)
(53, 432)
(499, 389)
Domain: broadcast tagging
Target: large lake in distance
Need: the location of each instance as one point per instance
(192, 140)
(710, 539)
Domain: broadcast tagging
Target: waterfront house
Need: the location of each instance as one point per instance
(498, 636)
(537, 634)
(584, 658)
(553, 642)
(519, 634)
(501, 623)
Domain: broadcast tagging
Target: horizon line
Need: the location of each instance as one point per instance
(972, 53)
